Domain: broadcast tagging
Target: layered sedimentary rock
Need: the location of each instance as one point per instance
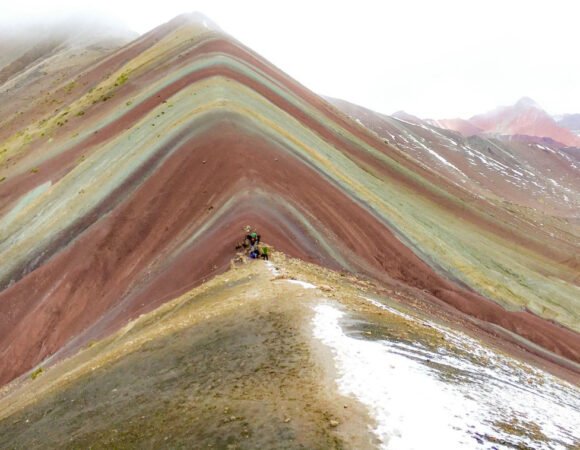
(137, 188)
(535, 176)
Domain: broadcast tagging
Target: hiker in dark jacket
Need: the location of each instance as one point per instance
(252, 241)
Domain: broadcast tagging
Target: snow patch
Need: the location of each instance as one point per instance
(436, 155)
(304, 284)
(272, 268)
(422, 398)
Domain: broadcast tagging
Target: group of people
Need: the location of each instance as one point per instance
(252, 245)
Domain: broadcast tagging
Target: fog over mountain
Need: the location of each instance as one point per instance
(433, 59)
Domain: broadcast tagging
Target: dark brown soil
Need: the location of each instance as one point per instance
(244, 378)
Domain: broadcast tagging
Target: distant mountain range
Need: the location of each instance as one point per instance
(533, 172)
(525, 120)
(570, 121)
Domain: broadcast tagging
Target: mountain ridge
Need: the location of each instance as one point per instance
(524, 118)
(405, 261)
(131, 184)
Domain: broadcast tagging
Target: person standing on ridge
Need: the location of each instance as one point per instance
(264, 251)
(253, 240)
(251, 244)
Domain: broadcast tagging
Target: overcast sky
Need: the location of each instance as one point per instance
(440, 58)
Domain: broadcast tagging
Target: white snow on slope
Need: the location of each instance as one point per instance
(436, 155)
(415, 407)
(272, 268)
(304, 284)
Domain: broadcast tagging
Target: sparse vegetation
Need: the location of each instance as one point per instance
(521, 428)
(122, 79)
(104, 97)
(69, 87)
(36, 373)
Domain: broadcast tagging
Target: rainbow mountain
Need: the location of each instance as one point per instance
(127, 183)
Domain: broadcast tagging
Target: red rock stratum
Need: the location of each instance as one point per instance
(135, 188)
